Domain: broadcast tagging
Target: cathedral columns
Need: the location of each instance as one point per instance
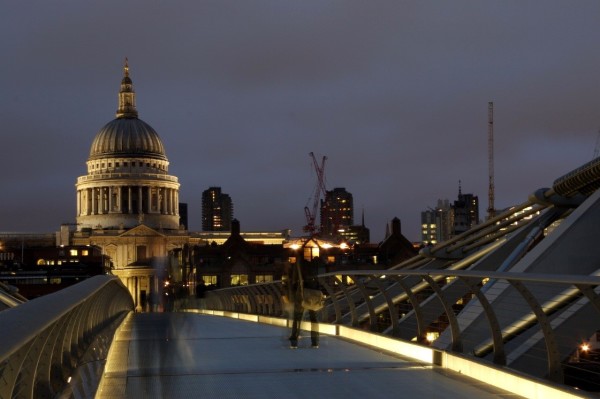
(129, 202)
(89, 193)
(173, 202)
(119, 206)
(140, 200)
(94, 201)
(78, 202)
(149, 199)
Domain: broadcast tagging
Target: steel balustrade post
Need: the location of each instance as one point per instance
(390, 304)
(590, 295)
(454, 328)
(372, 317)
(276, 292)
(235, 301)
(48, 358)
(10, 370)
(555, 372)
(27, 383)
(266, 299)
(416, 307)
(334, 302)
(260, 299)
(227, 301)
(68, 355)
(57, 378)
(251, 299)
(351, 305)
(499, 354)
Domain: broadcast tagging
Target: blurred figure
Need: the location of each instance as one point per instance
(297, 280)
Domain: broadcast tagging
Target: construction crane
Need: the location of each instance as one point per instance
(311, 213)
(491, 208)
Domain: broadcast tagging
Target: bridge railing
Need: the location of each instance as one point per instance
(58, 343)
(539, 324)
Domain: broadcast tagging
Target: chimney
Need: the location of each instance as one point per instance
(235, 227)
(396, 227)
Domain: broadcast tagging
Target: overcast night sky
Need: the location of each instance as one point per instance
(394, 93)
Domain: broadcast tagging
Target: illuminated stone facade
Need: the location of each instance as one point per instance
(127, 181)
(128, 204)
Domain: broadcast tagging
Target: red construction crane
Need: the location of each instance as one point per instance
(311, 214)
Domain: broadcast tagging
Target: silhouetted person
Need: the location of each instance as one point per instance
(298, 279)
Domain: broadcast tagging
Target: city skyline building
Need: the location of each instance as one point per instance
(465, 212)
(217, 210)
(337, 211)
(437, 223)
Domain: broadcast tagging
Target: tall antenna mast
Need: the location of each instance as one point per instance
(491, 208)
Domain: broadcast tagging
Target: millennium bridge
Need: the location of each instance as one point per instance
(510, 308)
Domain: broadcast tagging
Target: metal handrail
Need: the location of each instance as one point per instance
(44, 340)
(342, 303)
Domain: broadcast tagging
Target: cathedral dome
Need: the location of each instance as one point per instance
(127, 137)
(127, 182)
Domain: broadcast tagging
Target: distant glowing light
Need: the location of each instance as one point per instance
(585, 347)
(432, 336)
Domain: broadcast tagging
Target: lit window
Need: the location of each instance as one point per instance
(264, 278)
(239, 279)
(41, 262)
(85, 252)
(209, 280)
(73, 252)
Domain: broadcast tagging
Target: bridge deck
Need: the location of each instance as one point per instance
(185, 355)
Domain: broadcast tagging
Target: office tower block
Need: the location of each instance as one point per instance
(337, 211)
(217, 210)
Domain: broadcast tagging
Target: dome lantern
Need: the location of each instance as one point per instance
(127, 135)
(126, 96)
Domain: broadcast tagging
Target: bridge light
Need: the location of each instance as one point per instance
(432, 336)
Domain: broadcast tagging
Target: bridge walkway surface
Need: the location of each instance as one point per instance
(187, 355)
